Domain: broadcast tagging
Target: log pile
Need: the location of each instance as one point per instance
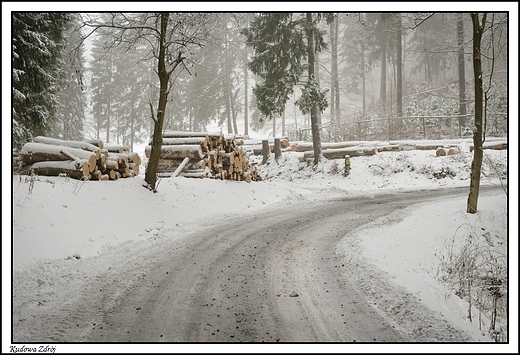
(204, 154)
(443, 151)
(254, 146)
(85, 160)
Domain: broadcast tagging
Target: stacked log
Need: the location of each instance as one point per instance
(204, 154)
(86, 160)
(254, 146)
(340, 153)
(441, 151)
(16, 162)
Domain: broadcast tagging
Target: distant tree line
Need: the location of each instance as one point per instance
(152, 71)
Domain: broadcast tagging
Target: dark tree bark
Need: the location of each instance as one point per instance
(316, 134)
(476, 165)
(164, 77)
(317, 75)
(283, 124)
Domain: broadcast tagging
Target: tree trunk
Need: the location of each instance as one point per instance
(265, 151)
(333, 73)
(108, 120)
(98, 125)
(476, 164)
(246, 93)
(228, 90)
(363, 76)
(283, 123)
(316, 134)
(462, 74)
(274, 125)
(334, 82)
(336, 76)
(382, 93)
(132, 127)
(399, 76)
(164, 77)
(277, 149)
(317, 75)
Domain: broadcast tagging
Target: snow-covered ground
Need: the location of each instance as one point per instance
(57, 222)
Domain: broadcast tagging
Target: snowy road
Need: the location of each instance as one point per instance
(277, 276)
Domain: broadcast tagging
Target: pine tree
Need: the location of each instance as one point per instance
(102, 84)
(72, 98)
(36, 61)
(281, 42)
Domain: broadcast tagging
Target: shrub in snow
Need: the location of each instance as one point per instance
(474, 265)
(335, 168)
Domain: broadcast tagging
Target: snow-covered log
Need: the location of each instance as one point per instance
(74, 169)
(180, 167)
(453, 151)
(70, 144)
(221, 156)
(202, 141)
(135, 168)
(441, 152)
(96, 141)
(95, 175)
(111, 164)
(115, 148)
(199, 173)
(183, 134)
(307, 146)
(340, 153)
(389, 148)
(192, 151)
(497, 145)
(37, 152)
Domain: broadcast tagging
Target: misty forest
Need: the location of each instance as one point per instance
(127, 77)
(92, 91)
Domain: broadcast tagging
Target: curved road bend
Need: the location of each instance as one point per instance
(270, 277)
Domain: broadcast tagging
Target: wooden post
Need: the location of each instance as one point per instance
(277, 149)
(265, 151)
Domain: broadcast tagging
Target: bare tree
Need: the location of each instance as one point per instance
(476, 165)
(172, 39)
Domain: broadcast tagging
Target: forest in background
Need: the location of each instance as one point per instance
(70, 88)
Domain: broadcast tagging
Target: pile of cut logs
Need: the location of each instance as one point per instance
(86, 160)
(204, 154)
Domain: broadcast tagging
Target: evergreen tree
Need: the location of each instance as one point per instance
(72, 98)
(102, 84)
(36, 61)
(281, 42)
(131, 96)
